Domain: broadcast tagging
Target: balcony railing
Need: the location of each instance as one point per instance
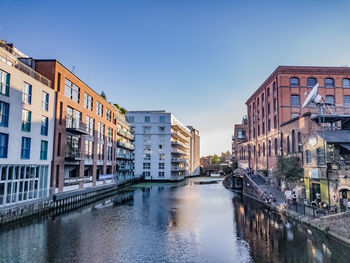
(125, 145)
(177, 168)
(180, 144)
(74, 154)
(178, 160)
(125, 156)
(176, 150)
(12, 61)
(180, 136)
(75, 126)
(126, 134)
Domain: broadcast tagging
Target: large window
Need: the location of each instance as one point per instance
(25, 149)
(27, 93)
(308, 157)
(346, 100)
(108, 115)
(89, 149)
(161, 166)
(4, 139)
(100, 151)
(44, 101)
(73, 118)
(44, 125)
(294, 101)
(311, 82)
(346, 83)
(147, 166)
(72, 91)
(4, 114)
(320, 156)
(99, 109)
(90, 125)
(100, 131)
(88, 101)
(26, 120)
(330, 100)
(110, 134)
(43, 150)
(329, 83)
(293, 141)
(294, 82)
(4, 83)
(161, 118)
(147, 118)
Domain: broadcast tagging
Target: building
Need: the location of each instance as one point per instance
(194, 152)
(162, 145)
(86, 139)
(277, 125)
(239, 138)
(326, 167)
(27, 107)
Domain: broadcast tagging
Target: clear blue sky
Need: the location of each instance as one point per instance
(198, 59)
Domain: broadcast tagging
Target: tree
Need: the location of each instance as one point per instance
(215, 159)
(117, 106)
(123, 111)
(288, 169)
(103, 95)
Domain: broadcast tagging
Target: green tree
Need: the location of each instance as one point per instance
(123, 111)
(288, 169)
(215, 159)
(117, 106)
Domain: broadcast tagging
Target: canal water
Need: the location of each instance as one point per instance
(180, 222)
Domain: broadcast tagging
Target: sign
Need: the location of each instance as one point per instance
(106, 177)
(314, 174)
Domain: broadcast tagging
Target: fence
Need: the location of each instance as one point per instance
(312, 211)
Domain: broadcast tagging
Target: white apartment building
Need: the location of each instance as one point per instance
(162, 145)
(27, 104)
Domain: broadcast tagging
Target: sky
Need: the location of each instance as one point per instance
(199, 59)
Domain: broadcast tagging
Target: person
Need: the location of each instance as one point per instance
(294, 198)
(348, 205)
(247, 170)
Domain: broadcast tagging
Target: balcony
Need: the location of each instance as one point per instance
(181, 144)
(125, 145)
(126, 134)
(11, 60)
(125, 156)
(178, 160)
(177, 168)
(180, 136)
(74, 154)
(76, 126)
(176, 150)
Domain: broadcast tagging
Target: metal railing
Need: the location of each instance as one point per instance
(312, 211)
(13, 61)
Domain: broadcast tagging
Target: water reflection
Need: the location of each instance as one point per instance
(274, 238)
(183, 222)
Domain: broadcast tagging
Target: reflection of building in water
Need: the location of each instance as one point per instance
(274, 239)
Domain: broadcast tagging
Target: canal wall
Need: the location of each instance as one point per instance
(62, 202)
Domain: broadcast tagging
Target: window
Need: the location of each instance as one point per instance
(346, 83)
(146, 174)
(108, 115)
(4, 114)
(329, 83)
(147, 118)
(160, 146)
(146, 166)
(73, 119)
(89, 149)
(346, 100)
(110, 134)
(100, 131)
(276, 146)
(161, 129)
(308, 157)
(161, 118)
(299, 142)
(43, 150)
(161, 174)
(44, 101)
(100, 151)
(263, 149)
(269, 148)
(259, 150)
(88, 101)
(130, 118)
(269, 125)
(275, 104)
(147, 157)
(4, 138)
(294, 82)
(330, 100)
(311, 82)
(274, 86)
(294, 100)
(288, 144)
(281, 142)
(4, 83)
(71, 91)
(293, 141)
(109, 153)
(26, 120)
(275, 122)
(27, 93)
(99, 109)
(90, 125)
(25, 149)
(146, 129)
(161, 166)
(161, 157)
(320, 156)
(44, 125)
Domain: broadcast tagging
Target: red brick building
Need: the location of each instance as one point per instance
(277, 124)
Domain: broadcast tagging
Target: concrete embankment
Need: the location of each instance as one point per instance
(62, 202)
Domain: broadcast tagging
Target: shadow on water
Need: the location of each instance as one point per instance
(276, 238)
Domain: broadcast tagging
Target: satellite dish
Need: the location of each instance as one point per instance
(312, 97)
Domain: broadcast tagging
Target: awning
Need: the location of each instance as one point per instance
(345, 146)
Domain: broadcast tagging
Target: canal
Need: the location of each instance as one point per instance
(180, 222)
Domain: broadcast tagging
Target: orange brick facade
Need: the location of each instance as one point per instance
(277, 124)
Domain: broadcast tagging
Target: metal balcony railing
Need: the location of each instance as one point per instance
(74, 154)
(76, 125)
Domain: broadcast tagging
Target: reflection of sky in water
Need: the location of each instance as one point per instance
(167, 223)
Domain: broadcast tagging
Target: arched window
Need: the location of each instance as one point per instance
(329, 83)
(244, 154)
(288, 144)
(254, 151)
(268, 92)
(346, 83)
(311, 82)
(276, 146)
(281, 143)
(263, 149)
(293, 141)
(294, 82)
(259, 150)
(269, 148)
(320, 156)
(299, 142)
(308, 157)
(274, 86)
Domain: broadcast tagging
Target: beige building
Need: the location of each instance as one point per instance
(194, 151)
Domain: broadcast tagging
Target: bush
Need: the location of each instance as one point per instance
(288, 169)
